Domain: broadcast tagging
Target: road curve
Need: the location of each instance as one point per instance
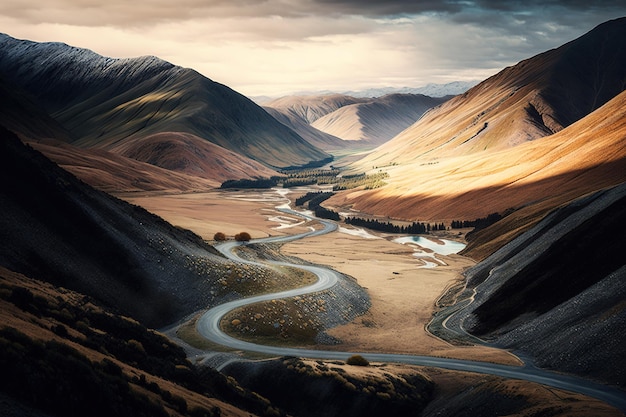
(208, 325)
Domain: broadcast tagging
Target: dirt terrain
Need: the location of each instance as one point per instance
(402, 290)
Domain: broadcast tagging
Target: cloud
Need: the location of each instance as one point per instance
(271, 46)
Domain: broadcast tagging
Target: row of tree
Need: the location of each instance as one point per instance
(388, 227)
(477, 224)
(312, 177)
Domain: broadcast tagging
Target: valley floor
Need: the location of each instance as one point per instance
(402, 291)
(403, 294)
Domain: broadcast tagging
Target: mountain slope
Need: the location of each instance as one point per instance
(315, 137)
(188, 154)
(64, 354)
(378, 120)
(459, 162)
(311, 108)
(167, 158)
(103, 101)
(535, 98)
(586, 156)
(557, 291)
(111, 172)
(20, 114)
(58, 229)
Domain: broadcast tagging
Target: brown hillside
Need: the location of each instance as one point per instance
(111, 172)
(311, 108)
(491, 148)
(587, 156)
(378, 120)
(63, 354)
(535, 98)
(191, 155)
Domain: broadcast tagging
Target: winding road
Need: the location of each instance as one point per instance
(208, 326)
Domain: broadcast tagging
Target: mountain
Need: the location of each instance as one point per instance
(535, 98)
(370, 121)
(556, 292)
(378, 120)
(113, 172)
(311, 108)
(57, 229)
(299, 125)
(432, 90)
(547, 130)
(103, 102)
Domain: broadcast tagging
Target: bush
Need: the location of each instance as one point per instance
(219, 237)
(243, 237)
(357, 360)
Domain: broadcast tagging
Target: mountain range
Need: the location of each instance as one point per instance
(431, 89)
(358, 122)
(541, 143)
(118, 105)
(544, 131)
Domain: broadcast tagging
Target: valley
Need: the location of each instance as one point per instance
(380, 265)
(321, 255)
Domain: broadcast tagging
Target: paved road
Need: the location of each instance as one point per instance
(209, 327)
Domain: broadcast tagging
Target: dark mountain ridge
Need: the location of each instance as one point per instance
(58, 229)
(556, 292)
(104, 101)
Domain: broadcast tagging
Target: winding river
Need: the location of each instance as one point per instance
(208, 326)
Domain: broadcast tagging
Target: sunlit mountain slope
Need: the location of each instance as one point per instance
(535, 98)
(542, 129)
(584, 157)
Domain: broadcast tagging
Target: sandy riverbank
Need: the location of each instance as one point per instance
(402, 293)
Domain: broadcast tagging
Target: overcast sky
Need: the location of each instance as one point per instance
(276, 47)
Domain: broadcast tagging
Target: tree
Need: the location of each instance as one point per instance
(243, 237)
(219, 237)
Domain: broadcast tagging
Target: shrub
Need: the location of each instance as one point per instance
(357, 360)
(219, 237)
(243, 237)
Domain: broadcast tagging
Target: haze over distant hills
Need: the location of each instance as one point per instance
(431, 89)
(368, 121)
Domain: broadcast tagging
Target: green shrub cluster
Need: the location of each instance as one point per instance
(313, 177)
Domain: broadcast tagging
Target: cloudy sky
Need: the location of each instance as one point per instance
(275, 47)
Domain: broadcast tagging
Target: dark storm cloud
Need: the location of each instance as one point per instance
(145, 12)
(412, 7)
(389, 8)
